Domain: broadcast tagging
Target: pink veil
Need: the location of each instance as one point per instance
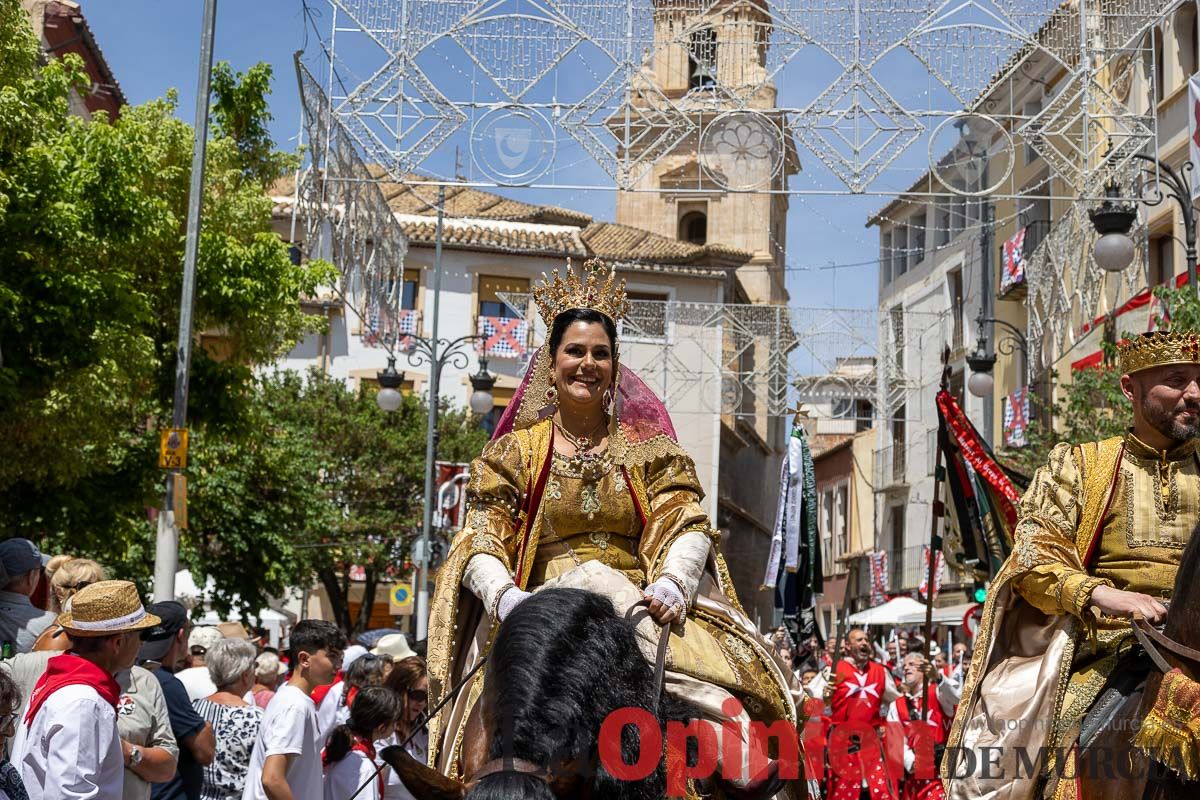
(640, 424)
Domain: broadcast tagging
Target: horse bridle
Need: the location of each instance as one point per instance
(520, 765)
(1148, 636)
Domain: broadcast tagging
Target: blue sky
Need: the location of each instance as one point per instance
(154, 46)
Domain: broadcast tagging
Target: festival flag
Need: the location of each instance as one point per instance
(939, 564)
(1016, 418)
(1194, 129)
(503, 337)
(879, 576)
(385, 326)
(1014, 261)
(794, 562)
(983, 496)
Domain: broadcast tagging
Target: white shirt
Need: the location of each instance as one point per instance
(343, 778)
(332, 711)
(197, 681)
(418, 748)
(289, 727)
(71, 750)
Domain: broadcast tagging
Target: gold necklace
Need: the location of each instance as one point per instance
(581, 443)
(589, 467)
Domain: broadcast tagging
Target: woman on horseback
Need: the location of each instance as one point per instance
(585, 466)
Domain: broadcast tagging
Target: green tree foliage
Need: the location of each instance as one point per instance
(92, 218)
(1092, 406)
(326, 482)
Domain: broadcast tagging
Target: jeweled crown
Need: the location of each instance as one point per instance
(1159, 349)
(600, 290)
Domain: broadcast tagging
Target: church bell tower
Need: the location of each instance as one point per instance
(724, 182)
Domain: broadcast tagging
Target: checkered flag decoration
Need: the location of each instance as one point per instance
(502, 337)
(1016, 418)
(384, 325)
(879, 576)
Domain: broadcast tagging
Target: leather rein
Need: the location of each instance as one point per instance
(1148, 636)
(547, 774)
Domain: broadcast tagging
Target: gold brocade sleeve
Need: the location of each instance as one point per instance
(673, 496)
(498, 480)
(1050, 575)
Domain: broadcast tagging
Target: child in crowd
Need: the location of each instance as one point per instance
(350, 753)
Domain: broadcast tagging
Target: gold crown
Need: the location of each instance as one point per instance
(1158, 349)
(557, 294)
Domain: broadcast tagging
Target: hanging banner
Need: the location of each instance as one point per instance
(502, 337)
(879, 576)
(939, 563)
(1013, 272)
(1016, 418)
(1194, 129)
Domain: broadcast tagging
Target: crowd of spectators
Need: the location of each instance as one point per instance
(104, 697)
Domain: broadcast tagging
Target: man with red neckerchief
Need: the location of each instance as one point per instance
(909, 710)
(67, 745)
(862, 689)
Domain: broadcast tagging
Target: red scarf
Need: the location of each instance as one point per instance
(70, 670)
(318, 694)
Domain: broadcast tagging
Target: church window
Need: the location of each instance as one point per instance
(702, 58)
(693, 227)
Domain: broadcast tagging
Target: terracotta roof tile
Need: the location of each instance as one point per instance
(477, 219)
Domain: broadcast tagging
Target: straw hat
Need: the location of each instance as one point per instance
(105, 608)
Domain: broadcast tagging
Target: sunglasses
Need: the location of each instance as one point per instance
(418, 695)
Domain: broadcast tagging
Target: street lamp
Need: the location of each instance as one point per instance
(482, 382)
(981, 383)
(390, 382)
(1112, 220)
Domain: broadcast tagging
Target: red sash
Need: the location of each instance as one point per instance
(69, 669)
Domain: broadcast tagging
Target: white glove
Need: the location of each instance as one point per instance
(667, 592)
(510, 599)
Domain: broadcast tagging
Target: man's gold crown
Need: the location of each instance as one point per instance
(1159, 349)
(596, 292)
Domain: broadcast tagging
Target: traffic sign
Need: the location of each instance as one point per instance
(172, 448)
(400, 598)
(972, 619)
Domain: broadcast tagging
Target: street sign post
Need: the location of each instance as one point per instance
(972, 619)
(400, 599)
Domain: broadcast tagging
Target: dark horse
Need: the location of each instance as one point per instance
(561, 662)
(1109, 765)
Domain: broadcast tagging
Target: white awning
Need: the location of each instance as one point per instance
(907, 611)
(946, 615)
(893, 612)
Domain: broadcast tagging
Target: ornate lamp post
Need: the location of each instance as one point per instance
(1113, 220)
(982, 360)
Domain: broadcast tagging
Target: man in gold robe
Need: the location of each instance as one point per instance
(1101, 531)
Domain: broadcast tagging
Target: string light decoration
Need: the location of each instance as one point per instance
(594, 93)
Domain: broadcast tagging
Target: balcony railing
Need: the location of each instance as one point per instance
(906, 568)
(890, 464)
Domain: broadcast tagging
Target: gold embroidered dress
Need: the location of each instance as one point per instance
(1115, 512)
(528, 508)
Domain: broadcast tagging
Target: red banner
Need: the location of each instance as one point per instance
(976, 454)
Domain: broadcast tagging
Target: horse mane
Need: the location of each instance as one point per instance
(561, 661)
(1184, 613)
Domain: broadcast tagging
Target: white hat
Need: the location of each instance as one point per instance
(393, 646)
(204, 637)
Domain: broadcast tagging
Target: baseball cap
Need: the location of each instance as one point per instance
(19, 556)
(156, 641)
(203, 638)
